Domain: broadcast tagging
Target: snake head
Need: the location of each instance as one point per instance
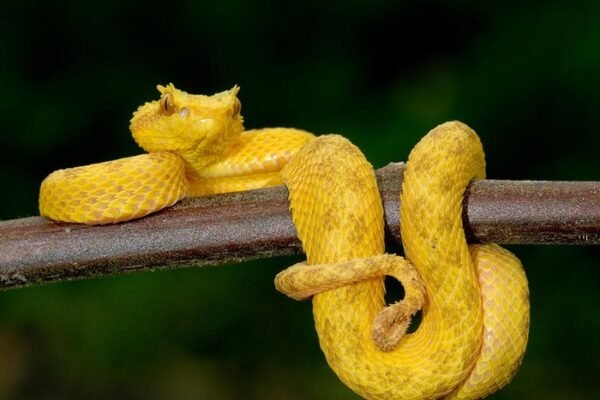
(199, 128)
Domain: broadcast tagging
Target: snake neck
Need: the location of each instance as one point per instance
(196, 158)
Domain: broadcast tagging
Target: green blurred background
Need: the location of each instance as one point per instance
(382, 73)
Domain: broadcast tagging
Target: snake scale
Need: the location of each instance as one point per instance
(474, 299)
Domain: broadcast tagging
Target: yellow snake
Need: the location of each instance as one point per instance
(196, 146)
(474, 300)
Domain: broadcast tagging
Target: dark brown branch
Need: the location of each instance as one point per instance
(248, 225)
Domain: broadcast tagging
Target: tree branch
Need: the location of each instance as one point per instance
(247, 225)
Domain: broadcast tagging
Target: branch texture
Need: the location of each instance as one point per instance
(247, 225)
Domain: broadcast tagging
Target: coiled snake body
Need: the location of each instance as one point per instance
(474, 300)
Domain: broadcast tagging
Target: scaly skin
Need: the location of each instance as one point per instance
(475, 320)
(475, 300)
(197, 147)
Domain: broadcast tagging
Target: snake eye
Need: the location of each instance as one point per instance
(237, 107)
(167, 104)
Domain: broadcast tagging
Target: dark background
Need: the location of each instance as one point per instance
(382, 73)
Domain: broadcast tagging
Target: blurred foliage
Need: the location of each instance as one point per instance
(382, 73)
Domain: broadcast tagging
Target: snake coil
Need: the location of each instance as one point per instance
(474, 299)
(474, 328)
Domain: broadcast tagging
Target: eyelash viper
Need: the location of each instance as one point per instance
(196, 146)
(474, 299)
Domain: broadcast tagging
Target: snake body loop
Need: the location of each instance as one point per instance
(338, 217)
